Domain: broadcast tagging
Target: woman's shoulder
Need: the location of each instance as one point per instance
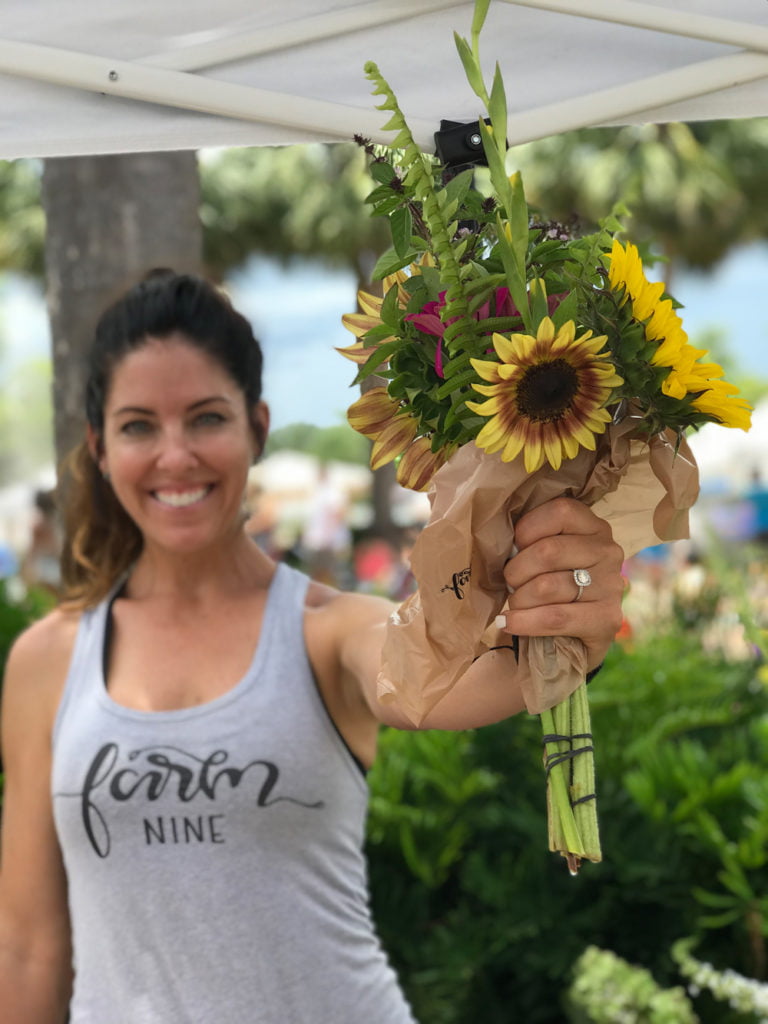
(346, 606)
(40, 655)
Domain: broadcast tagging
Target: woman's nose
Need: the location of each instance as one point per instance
(176, 452)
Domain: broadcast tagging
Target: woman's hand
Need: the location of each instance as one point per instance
(552, 541)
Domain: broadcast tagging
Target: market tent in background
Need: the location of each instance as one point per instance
(733, 468)
(732, 460)
(135, 75)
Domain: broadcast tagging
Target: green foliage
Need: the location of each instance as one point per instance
(749, 998)
(608, 990)
(692, 187)
(21, 214)
(426, 810)
(340, 444)
(18, 613)
(681, 740)
(287, 201)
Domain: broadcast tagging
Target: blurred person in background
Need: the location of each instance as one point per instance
(40, 565)
(326, 539)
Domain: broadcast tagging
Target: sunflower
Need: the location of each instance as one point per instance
(546, 395)
(381, 418)
(687, 376)
(661, 323)
(419, 464)
(360, 323)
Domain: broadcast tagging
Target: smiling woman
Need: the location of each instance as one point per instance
(186, 736)
(177, 443)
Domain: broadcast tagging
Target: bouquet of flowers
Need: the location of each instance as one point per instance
(519, 361)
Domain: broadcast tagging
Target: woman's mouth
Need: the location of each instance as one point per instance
(181, 499)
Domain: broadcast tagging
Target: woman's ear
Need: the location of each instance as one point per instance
(259, 428)
(96, 448)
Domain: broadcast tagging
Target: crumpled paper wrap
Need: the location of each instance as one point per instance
(643, 488)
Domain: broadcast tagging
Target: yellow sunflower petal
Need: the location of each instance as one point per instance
(370, 304)
(553, 450)
(485, 369)
(393, 440)
(488, 408)
(372, 412)
(419, 464)
(533, 454)
(358, 353)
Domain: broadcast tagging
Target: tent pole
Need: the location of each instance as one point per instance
(335, 121)
(660, 19)
(610, 105)
(322, 119)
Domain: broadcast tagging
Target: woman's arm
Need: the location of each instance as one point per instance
(551, 542)
(35, 952)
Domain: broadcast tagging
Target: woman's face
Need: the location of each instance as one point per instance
(178, 442)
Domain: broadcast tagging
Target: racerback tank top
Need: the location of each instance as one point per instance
(214, 854)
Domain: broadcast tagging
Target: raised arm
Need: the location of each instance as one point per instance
(35, 952)
(551, 542)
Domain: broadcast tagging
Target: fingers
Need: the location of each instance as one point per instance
(559, 537)
(552, 541)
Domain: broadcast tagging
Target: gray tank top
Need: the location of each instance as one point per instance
(214, 854)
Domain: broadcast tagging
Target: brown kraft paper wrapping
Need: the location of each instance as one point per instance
(643, 488)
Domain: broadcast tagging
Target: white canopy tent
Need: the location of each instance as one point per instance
(137, 75)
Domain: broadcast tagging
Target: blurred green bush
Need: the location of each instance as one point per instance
(482, 922)
(608, 990)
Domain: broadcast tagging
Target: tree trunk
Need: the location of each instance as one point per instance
(109, 220)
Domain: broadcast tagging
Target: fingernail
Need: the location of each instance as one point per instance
(500, 622)
(510, 590)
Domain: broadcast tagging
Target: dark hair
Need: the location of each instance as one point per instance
(166, 303)
(101, 540)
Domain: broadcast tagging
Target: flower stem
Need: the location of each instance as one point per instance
(570, 765)
(583, 775)
(563, 831)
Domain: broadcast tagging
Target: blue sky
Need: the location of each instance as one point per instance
(296, 313)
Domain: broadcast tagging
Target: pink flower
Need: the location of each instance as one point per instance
(428, 321)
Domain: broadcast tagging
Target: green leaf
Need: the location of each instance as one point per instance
(388, 205)
(401, 225)
(471, 67)
(497, 109)
(381, 171)
(389, 262)
(376, 358)
(377, 334)
(538, 298)
(518, 219)
(379, 193)
(458, 187)
(453, 366)
(456, 382)
(390, 310)
(567, 310)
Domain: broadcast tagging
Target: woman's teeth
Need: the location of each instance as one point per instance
(180, 499)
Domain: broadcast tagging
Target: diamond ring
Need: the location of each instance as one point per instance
(582, 578)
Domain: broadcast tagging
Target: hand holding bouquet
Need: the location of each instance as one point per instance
(521, 362)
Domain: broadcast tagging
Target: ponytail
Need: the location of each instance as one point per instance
(101, 541)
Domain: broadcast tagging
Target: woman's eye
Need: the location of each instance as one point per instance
(208, 419)
(136, 428)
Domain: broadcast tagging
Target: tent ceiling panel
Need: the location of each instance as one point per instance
(136, 75)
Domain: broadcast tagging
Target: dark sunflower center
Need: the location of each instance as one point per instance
(546, 391)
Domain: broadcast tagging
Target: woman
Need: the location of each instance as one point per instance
(186, 736)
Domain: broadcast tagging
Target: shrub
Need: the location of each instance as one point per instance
(681, 742)
(608, 990)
